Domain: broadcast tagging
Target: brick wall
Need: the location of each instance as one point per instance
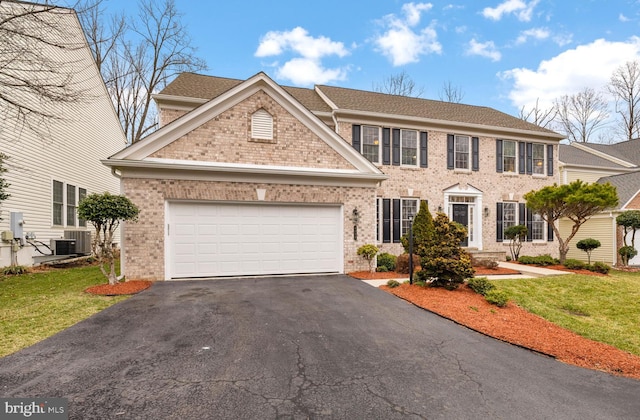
(144, 242)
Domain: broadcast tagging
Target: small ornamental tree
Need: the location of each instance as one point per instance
(630, 222)
(588, 245)
(516, 234)
(368, 252)
(577, 201)
(422, 231)
(627, 253)
(3, 183)
(105, 212)
(445, 263)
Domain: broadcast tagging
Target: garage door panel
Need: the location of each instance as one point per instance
(251, 239)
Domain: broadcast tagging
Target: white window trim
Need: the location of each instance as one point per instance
(65, 203)
(544, 160)
(379, 144)
(455, 153)
(417, 148)
(402, 219)
(504, 156)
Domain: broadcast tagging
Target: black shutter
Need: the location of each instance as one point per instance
(549, 232)
(550, 161)
(529, 225)
(499, 227)
(355, 137)
(395, 149)
(386, 146)
(499, 161)
(521, 156)
(450, 151)
(386, 220)
(424, 150)
(475, 153)
(396, 220)
(529, 158)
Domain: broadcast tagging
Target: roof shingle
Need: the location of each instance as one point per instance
(627, 185)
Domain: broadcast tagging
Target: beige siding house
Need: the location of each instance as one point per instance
(617, 164)
(247, 177)
(52, 168)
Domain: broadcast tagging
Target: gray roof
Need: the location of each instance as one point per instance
(628, 151)
(573, 156)
(627, 185)
(208, 87)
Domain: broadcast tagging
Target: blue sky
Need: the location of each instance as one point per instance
(500, 53)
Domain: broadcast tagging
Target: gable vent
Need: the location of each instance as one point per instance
(262, 125)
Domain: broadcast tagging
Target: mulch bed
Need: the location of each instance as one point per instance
(130, 287)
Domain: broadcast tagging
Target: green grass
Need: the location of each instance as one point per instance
(35, 306)
(604, 309)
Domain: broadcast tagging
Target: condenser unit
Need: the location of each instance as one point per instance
(63, 246)
(83, 240)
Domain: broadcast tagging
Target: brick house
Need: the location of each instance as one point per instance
(250, 177)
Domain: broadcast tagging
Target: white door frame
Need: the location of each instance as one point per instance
(475, 210)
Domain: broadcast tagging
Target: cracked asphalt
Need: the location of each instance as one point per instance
(302, 348)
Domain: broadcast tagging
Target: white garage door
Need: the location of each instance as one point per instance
(211, 240)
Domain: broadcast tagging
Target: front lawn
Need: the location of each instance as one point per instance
(37, 305)
(605, 309)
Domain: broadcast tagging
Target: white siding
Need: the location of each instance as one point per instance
(601, 228)
(86, 133)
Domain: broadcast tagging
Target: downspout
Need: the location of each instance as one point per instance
(121, 276)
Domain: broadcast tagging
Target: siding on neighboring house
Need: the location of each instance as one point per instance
(87, 132)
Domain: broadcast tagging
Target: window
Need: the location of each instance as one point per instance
(82, 194)
(409, 210)
(509, 156)
(58, 202)
(409, 146)
(538, 158)
(537, 227)
(509, 216)
(461, 152)
(371, 143)
(71, 205)
(261, 125)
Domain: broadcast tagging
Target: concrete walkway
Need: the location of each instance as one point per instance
(526, 272)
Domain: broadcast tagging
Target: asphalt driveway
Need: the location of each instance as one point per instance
(298, 347)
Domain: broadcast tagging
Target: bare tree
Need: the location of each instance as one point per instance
(139, 60)
(399, 84)
(581, 114)
(539, 116)
(103, 39)
(36, 69)
(450, 93)
(625, 87)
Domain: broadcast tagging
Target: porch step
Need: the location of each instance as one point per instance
(478, 257)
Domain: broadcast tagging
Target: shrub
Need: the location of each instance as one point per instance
(599, 267)
(539, 260)
(382, 269)
(574, 264)
(423, 231)
(14, 270)
(402, 263)
(490, 264)
(588, 245)
(516, 234)
(387, 261)
(393, 283)
(368, 252)
(480, 285)
(627, 252)
(497, 297)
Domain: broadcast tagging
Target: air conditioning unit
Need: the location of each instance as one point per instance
(82, 238)
(63, 246)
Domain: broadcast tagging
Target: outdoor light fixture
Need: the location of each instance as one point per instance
(439, 209)
(486, 211)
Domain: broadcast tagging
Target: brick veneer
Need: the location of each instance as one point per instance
(144, 243)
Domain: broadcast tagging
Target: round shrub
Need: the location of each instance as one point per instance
(627, 253)
(393, 283)
(387, 261)
(573, 264)
(599, 267)
(402, 263)
(480, 285)
(497, 297)
(382, 269)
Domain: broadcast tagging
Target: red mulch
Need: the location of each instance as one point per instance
(517, 326)
(130, 287)
(479, 271)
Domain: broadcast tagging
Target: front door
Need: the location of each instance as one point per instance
(461, 215)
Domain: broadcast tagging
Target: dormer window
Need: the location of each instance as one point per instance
(261, 125)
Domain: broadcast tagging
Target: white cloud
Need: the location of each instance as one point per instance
(521, 9)
(402, 42)
(484, 49)
(589, 65)
(534, 33)
(623, 18)
(306, 69)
